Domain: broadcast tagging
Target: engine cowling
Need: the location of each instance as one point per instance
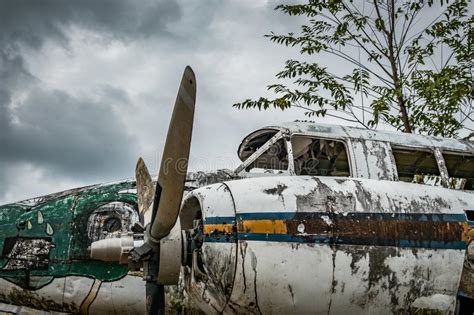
(208, 220)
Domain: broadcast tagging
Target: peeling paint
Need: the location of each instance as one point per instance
(276, 191)
(27, 253)
(31, 299)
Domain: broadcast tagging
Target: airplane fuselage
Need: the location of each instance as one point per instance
(316, 219)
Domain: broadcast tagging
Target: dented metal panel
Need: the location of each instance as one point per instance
(395, 280)
(203, 178)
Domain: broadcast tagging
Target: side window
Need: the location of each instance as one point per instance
(461, 170)
(272, 161)
(321, 157)
(417, 166)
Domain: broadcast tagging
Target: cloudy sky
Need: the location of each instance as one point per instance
(86, 87)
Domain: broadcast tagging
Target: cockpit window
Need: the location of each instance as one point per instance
(274, 158)
(319, 157)
(264, 151)
(254, 144)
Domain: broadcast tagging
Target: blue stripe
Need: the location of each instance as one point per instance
(326, 240)
(219, 220)
(444, 217)
(275, 215)
(219, 239)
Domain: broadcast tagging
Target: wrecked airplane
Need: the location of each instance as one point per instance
(316, 219)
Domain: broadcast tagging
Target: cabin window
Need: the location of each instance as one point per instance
(461, 170)
(417, 166)
(274, 159)
(319, 157)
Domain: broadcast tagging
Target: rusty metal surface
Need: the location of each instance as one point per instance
(466, 285)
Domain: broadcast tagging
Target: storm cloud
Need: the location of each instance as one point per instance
(79, 135)
(66, 135)
(86, 87)
(32, 22)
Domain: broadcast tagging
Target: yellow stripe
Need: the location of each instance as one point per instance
(250, 226)
(468, 234)
(263, 226)
(210, 228)
(86, 303)
(135, 273)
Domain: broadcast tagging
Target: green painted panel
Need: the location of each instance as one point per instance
(56, 226)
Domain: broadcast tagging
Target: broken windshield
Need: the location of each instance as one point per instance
(264, 152)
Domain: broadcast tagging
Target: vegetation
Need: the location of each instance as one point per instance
(409, 64)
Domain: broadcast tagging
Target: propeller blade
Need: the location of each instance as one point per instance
(174, 163)
(145, 190)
